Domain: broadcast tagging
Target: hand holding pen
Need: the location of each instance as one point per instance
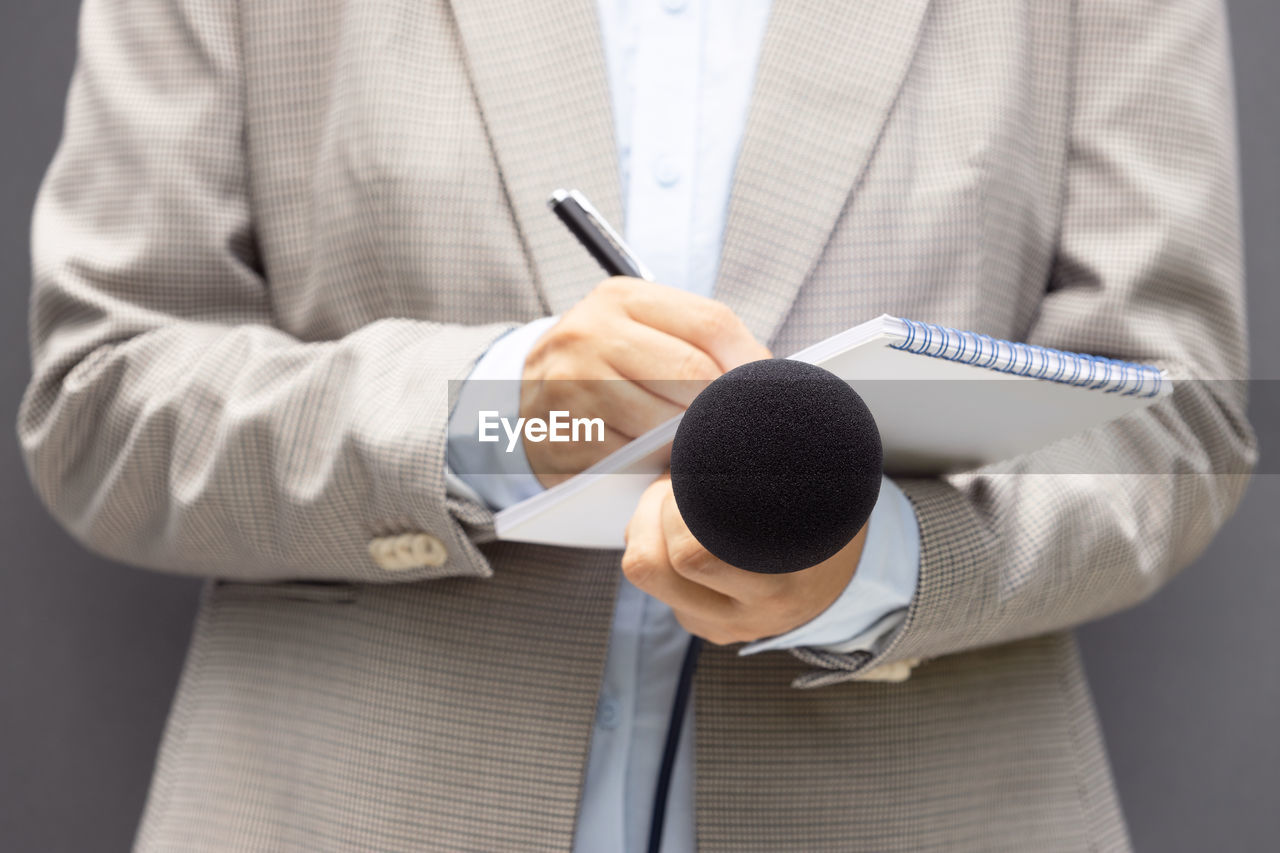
(614, 354)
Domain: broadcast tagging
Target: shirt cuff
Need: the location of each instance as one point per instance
(876, 598)
(486, 469)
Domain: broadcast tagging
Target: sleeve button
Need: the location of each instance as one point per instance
(407, 551)
(380, 549)
(427, 550)
(897, 671)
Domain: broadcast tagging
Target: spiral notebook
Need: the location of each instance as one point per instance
(944, 400)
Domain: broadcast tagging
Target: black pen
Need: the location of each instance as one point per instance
(596, 236)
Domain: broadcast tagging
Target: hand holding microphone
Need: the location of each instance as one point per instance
(774, 472)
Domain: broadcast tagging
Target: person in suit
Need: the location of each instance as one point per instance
(281, 244)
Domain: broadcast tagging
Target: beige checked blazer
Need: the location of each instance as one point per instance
(276, 229)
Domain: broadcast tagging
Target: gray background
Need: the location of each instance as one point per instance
(1187, 685)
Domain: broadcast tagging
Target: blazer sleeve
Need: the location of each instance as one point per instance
(1148, 268)
(168, 423)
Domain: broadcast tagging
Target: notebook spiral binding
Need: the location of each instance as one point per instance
(1069, 368)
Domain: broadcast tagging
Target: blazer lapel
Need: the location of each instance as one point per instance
(828, 76)
(539, 76)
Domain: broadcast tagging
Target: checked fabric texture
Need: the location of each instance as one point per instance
(275, 231)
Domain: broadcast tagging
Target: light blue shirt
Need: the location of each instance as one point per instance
(681, 74)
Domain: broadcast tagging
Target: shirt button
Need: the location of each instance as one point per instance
(675, 7)
(607, 713)
(666, 172)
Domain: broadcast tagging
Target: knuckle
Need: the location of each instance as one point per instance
(556, 388)
(570, 330)
(696, 366)
(555, 375)
(638, 566)
(612, 288)
(688, 557)
(564, 375)
(721, 320)
(541, 351)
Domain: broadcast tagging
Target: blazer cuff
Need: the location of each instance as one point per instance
(488, 471)
(876, 597)
(954, 546)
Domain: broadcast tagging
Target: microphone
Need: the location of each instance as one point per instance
(776, 466)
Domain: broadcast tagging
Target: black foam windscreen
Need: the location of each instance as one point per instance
(776, 466)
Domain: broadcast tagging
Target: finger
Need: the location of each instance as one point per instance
(624, 405)
(665, 365)
(597, 390)
(645, 564)
(719, 632)
(707, 324)
(690, 560)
